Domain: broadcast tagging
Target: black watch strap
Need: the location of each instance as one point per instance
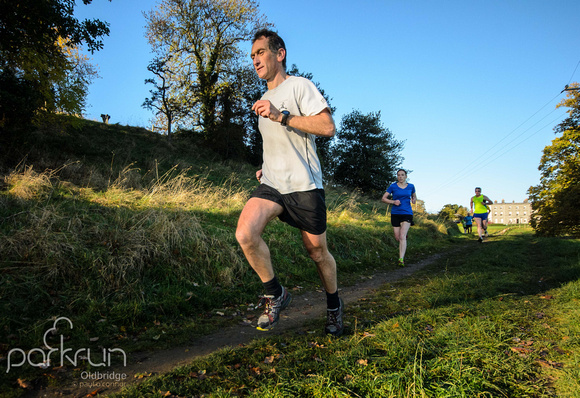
(284, 120)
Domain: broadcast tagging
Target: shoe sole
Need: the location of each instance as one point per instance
(275, 323)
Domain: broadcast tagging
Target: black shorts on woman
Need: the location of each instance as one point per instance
(397, 219)
(303, 210)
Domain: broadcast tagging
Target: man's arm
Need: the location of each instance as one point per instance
(321, 124)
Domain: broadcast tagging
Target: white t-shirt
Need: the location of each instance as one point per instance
(290, 160)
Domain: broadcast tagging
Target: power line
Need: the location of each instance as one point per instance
(527, 138)
(475, 161)
(522, 133)
(571, 77)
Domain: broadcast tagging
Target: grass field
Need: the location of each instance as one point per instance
(500, 320)
(132, 240)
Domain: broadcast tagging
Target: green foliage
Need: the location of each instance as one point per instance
(38, 57)
(202, 37)
(366, 154)
(451, 212)
(555, 200)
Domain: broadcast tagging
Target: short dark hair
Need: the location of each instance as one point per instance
(476, 188)
(403, 170)
(275, 42)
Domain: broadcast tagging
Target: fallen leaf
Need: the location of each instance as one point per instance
(549, 364)
(363, 362)
(269, 360)
(24, 383)
(521, 350)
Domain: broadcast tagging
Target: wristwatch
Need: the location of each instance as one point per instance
(285, 115)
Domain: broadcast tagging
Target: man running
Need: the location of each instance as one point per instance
(292, 112)
(480, 203)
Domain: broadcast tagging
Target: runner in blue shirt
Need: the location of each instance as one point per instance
(402, 195)
(468, 220)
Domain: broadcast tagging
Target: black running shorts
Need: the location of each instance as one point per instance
(303, 210)
(397, 219)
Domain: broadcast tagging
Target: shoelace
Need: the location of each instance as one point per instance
(333, 316)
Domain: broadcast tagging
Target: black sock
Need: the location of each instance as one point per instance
(273, 287)
(332, 300)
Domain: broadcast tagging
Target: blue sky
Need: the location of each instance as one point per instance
(470, 86)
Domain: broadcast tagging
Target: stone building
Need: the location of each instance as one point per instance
(510, 213)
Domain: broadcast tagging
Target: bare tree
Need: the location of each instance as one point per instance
(203, 38)
(162, 100)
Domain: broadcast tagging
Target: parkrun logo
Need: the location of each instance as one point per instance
(45, 355)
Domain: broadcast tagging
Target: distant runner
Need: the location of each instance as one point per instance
(402, 195)
(480, 213)
(468, 223)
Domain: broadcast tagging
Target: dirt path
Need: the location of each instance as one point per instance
(304, 307)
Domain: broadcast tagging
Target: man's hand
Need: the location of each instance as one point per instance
(259, 175)
(265, 108)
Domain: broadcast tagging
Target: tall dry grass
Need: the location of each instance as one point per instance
(61, 231)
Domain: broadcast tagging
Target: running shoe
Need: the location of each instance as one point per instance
(480, 240)
(274, 305)
(334, 325)
(401, 262)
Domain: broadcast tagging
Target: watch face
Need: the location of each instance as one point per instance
(285, 117)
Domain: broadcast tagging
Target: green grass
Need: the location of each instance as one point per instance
(132, 238)
(143, 258)
(501, 321)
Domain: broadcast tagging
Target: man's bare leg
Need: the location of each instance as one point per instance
(317, 248)
(257, 213)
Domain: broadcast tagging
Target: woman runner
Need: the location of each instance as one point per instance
(402, 195)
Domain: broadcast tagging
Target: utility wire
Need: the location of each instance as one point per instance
(487, 160)
(527, 138)
(475, 161)
(573, 73)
